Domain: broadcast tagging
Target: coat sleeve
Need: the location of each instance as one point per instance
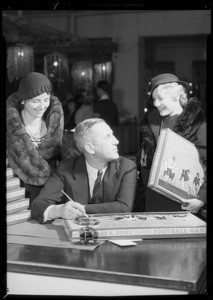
(50, 195)
(148, 145)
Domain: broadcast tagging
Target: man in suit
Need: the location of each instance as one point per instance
(104, 107)
(77, 175)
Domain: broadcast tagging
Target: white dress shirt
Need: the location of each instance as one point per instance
(92, 175)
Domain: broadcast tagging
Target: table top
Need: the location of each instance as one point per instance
(164, 263)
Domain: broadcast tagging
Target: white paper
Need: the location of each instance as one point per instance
(123, 242)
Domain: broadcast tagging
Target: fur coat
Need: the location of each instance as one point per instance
(190, 124)
(31, 165)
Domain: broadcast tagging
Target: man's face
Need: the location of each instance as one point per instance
(164, 101)
(37, 105)
(104, 142)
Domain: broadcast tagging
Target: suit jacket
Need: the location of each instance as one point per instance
(119, 185)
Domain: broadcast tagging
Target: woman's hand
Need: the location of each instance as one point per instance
(192, 205)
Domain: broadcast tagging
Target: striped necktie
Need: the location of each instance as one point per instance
(97, 190)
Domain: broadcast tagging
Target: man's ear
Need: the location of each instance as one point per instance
(89, 147)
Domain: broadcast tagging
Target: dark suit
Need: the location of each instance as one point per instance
(119, 184)
(108, 111)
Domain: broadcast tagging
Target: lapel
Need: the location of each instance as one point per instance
(80, 185)
(110, 181)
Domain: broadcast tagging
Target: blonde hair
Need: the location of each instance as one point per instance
(83, 132)
(174, 90)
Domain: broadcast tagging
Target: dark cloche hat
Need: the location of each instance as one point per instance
(33, 84)
(165, 78)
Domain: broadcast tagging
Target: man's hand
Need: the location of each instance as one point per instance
(192, 205)
(71, 210)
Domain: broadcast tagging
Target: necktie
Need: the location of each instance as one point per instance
(97, 190)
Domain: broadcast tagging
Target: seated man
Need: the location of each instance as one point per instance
(77, 175)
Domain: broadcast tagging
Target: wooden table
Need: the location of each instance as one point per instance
(160, 266)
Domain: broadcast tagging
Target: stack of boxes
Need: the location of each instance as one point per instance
(17, 206)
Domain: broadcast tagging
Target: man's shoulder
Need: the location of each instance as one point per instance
(126, 162)
(69, 163)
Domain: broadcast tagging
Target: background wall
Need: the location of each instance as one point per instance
(128, 27)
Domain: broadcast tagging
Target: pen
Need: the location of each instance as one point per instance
(72, 201)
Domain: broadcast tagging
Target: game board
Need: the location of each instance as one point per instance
(135, 225)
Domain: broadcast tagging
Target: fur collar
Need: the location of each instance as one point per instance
(187, 125)
(190, 119)
(31, 164)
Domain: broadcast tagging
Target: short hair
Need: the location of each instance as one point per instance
(173, 88)
(104, 85)
(83, 132)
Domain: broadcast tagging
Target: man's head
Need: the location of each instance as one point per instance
(103, 88)
(168, 94)
(95, 139)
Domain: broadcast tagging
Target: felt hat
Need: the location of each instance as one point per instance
(33, 84)
(164, 78)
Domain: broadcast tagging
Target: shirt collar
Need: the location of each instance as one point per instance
(94, 171)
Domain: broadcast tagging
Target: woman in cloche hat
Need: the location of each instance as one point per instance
(35, 126)
(171, 109)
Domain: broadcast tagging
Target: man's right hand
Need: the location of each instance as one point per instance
(71, 210)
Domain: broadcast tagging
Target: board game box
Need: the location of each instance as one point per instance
(179, 224)
(176, 170)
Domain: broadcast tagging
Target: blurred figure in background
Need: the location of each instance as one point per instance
(104, 107)
(85, 111)
(69, 114)
(65, 100)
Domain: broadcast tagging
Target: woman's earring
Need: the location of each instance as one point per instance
(23, 102)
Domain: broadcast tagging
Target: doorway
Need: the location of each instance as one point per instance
(185, 56)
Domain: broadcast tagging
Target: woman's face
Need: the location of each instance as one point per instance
(164, 99)
(37, 106)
